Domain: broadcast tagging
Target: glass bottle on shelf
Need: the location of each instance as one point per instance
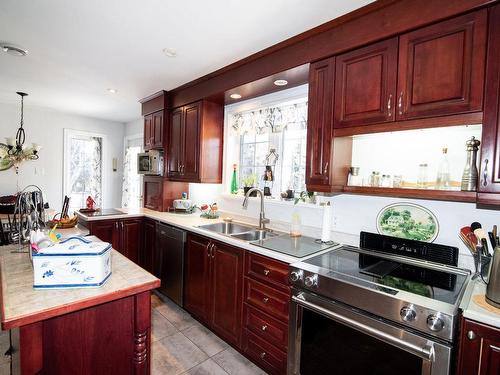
(443, 174)
(422, 176)
(386, 180)
(375, 179)
(234, 182)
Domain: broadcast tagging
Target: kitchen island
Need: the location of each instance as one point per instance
(104, 330)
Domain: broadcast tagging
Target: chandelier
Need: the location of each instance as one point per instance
(13, 152)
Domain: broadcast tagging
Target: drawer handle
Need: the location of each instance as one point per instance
(264, 327)
(263, 355)
(266, 272)
(265, 299)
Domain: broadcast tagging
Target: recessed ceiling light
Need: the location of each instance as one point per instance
(112, 91)
(281, 82)
(170, 52)
(235, 96)
(13, 50)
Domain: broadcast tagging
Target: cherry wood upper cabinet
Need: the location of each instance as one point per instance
(148, 127)
(365, 85)
(479, 351)
(196, 142)
(175, 150)
(157, 130)
(441, 68)
(489, 177)
(320, 124)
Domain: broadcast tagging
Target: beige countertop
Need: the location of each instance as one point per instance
(21, 304)
(191, 222)
(472, 310)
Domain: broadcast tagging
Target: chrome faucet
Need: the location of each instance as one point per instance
(262, 217)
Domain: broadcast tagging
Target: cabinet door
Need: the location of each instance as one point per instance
(131, 232)
(175, 143)
(157, 130)
(489, 181)
(197, 277)
(148, 249)
(107, 231)
(153, 193)
(441, 68)
(320, 124)
(479, 349)
(191, 142)
(148, 125)
(227, 294)
(365, 85)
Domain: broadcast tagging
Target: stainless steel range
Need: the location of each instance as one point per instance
(388, 307)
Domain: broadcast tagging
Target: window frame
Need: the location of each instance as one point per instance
(126, 139)
(284, 97)
(72, 133)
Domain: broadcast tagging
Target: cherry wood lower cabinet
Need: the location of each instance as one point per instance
(213, 286)
(479, 349)
(125, 235)
(148, 251)
(265, 318)
(88, 341)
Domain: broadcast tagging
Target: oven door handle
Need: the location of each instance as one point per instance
(427, 352)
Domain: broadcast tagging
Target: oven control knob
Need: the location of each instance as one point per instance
(435, 323)
(311, 281)
(408, 314)
(295, 276)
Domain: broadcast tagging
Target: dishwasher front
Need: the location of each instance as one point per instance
(169, 261)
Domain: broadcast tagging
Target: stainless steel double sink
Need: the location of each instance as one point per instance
(240, 231)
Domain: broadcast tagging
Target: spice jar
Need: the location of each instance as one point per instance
(386, 180)
(422, 176)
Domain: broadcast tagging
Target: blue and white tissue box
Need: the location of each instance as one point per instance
(73, 263)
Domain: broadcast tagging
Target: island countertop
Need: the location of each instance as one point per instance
(21, 304)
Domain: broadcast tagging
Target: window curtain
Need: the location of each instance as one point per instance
(269, 120)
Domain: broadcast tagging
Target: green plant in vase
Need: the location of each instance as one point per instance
(248, 183)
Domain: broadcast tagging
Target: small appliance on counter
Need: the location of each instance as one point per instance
(150, 163)
(183, 204)
(493, 286)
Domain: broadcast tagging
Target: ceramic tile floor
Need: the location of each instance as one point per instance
(181, 345)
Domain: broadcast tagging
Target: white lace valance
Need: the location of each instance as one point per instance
(269, 119)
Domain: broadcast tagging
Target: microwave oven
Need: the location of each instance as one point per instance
(150, 163)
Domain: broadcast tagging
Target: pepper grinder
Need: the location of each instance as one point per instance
(470, 175)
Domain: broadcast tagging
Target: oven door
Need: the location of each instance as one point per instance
(331, 338)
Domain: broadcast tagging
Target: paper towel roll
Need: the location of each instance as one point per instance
(326, 234)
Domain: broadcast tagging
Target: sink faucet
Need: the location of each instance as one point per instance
(262, 217)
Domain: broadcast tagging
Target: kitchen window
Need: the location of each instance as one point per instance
(257, 127)
(83, 167)
(132, 181)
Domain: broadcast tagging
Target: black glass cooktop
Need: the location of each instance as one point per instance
(104, 212)
(390, 276)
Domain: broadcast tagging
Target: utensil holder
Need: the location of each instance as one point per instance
(481, 263)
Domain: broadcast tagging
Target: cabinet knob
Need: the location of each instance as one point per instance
(263, 355)
(325, 171)
(264, 327)
(266, 272)
(265, 299)
(471, 335)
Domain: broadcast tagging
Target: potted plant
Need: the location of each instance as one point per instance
(248, 183)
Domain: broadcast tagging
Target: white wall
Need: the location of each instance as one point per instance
(134, 127)
(45, 127)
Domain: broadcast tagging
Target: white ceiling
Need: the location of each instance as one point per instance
(79, 49)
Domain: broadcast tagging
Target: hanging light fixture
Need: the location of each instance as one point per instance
(13, 152)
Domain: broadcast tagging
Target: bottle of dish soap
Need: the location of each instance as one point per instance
(234, 182)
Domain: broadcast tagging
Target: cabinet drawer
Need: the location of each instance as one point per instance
(266, 327)
(264, 354)
(267, 299)
(267, 270)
